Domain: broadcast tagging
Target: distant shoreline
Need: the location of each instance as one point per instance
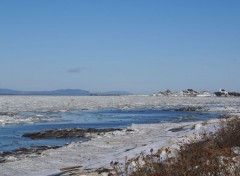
(62, 92)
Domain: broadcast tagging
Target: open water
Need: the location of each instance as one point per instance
(11, 135)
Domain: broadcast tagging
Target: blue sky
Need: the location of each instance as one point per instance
(131, 45)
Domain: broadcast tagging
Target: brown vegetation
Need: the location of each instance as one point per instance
(216, 155)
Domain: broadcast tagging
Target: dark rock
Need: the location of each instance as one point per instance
(218, 94)
(10, 114)
(177, 129)
(129, 149)
(48, 134)
(190, 109)
(227, 116)
(103, 170)
(66, 133)
(236, 94)
(23, 152)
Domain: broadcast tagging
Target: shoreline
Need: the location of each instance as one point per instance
(102, 149)
(97, 153)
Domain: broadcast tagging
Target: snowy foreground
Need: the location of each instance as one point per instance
(104, 148)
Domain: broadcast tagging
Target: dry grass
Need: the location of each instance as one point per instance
(213, 156)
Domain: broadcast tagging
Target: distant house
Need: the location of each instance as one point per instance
(166, 93)
(189, 93)
(154, 94)
(221, 92)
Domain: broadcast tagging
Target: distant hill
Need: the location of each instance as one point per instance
(74, 92)
(9, 92)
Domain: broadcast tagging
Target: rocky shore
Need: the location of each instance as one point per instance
(21, 153)
(66, 133)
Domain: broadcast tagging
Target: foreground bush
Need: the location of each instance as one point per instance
(216, 155)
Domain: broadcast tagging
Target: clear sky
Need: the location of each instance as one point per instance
(131, 45)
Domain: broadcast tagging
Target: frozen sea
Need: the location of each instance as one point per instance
(22, 114)
(150, 118)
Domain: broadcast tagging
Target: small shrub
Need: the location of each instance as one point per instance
(213, 156)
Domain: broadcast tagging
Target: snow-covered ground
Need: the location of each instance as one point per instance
(102, 149)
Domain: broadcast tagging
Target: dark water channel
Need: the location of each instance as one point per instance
(11, 135)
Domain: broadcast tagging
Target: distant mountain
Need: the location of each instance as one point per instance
(9, 92)
(74, 92)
